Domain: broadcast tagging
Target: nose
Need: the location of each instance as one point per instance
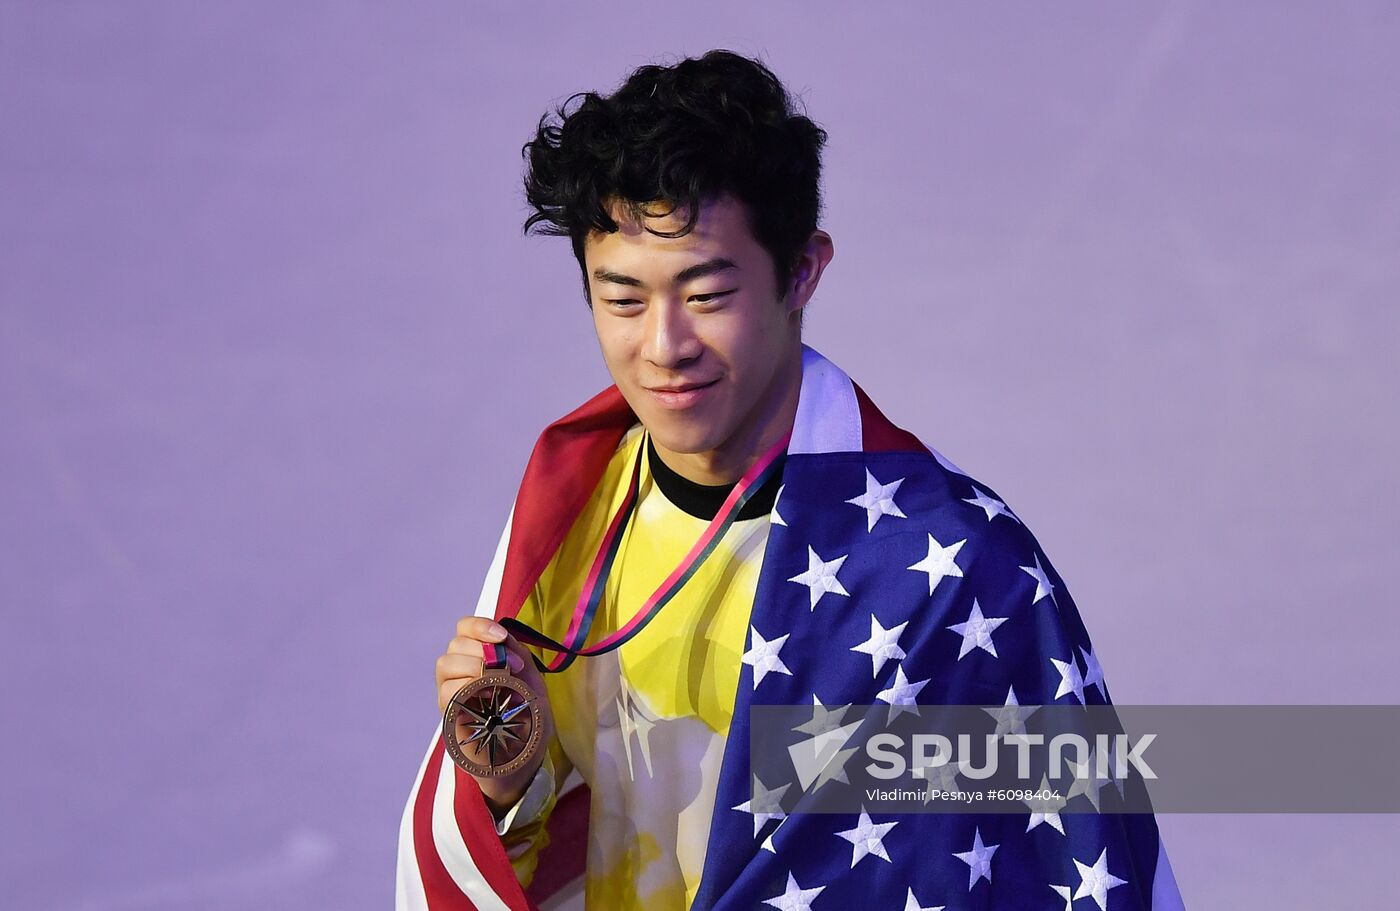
(670, 337)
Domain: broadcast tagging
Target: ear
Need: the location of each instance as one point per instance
(807, 271)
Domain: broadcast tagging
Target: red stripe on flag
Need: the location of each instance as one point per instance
(565, 467)
(479, 832)
(438, 886)
(878, 434)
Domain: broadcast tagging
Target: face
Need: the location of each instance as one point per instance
(700, 310)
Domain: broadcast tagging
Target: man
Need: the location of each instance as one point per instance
(689, 528)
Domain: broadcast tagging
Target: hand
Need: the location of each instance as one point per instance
(462, 663)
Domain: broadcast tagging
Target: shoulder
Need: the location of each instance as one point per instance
(957, 523)
(1007, 578)
(937, 494)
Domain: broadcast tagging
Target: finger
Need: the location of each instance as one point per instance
(465, 645)
(446, 691)
(483, 628)
(458, 667)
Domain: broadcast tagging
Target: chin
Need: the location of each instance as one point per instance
(680, 435)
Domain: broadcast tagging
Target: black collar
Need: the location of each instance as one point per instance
(704, 500)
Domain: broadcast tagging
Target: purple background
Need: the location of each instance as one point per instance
(273, 352)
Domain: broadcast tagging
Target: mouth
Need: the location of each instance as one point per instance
(684, 397)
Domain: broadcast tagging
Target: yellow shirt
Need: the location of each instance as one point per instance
(645, 724)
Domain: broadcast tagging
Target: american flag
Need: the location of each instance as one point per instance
(890, 576)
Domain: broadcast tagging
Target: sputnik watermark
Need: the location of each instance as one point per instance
(1114, 756)
(1020, 795)
(1074, 758)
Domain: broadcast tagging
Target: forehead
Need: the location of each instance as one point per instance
(721, 226)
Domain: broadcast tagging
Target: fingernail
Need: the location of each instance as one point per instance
(515, 663)
(495, 632)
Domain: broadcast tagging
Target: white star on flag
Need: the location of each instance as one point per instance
(939, 562)
(820, 576)
(990, 505)
(1046, 810)
(977, 631)
(912, 904)
(901, 694)
(1095, 881)
(1042, 581)
(867, 838)
(763, 656)
(1086, 781)
(835, 769)
(1070, 681)
(883, 644)
(764, 805)
(824, 720)
(1093, 673)
(1064, 892)
(940, 778)
(794, 898)
(819, 758)
(978, 859)
(773, 517)
(878, 500)
(1011, 718)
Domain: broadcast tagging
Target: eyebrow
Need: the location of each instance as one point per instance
(690, 273)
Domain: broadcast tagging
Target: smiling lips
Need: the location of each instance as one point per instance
(682, 396)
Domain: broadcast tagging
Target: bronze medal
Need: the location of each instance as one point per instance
(492, 726)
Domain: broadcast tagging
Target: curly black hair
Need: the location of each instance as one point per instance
(682, 134)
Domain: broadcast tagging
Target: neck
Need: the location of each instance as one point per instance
(766, 425)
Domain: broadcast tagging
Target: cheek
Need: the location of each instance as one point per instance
(616, 344)
(747, 346)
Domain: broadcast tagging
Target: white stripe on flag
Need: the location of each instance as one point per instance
(409, 894)
(486, 606)
(408, 889)
(491, 587)
(453, 849)
(828, 415)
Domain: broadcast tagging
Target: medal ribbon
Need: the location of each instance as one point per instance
(592, 595)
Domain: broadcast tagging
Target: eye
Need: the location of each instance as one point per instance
(711, 296)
